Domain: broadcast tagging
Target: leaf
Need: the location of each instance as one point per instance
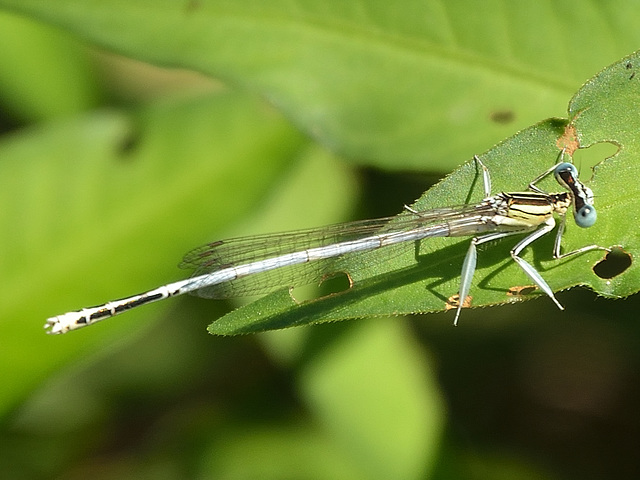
(405, 84)
(375, 405)
(374, 83)
(105, 204)
(403, 283)
(34, 75)
(606, 110)
(421, 279)
(376, 370)
(279, 451)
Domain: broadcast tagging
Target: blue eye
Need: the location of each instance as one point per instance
(586, 216)
(563, 167)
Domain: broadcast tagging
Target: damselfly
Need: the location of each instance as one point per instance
(259, 264)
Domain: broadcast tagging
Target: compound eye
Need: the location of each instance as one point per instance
(586, 216)
(564, 167)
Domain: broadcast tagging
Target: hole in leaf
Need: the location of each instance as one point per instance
(613, 264)
(521, 290)
(331, 285)
(587, 158)
(629, 66)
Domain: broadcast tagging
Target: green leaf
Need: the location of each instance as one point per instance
(419, 280)
(37, 67)
(404, 84)
(407, 281)
(606, 110)
(106, 204)
(278, 451)
(375, 405)
(376, 370)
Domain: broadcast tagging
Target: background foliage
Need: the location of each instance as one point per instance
(320, 112)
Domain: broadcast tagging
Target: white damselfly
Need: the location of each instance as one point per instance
(260, 264)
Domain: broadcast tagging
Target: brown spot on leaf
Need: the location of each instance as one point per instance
(454, 300)
(502, 116)
(192, 5)
(569, 140)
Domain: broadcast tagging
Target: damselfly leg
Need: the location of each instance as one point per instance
(526, 213)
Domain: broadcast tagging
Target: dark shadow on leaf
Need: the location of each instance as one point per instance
(332, 307)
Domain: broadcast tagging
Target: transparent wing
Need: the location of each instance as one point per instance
(217, 255)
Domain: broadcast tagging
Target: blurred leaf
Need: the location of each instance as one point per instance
(291, 451)
(44, 72)
(104, 205)
(373, 394)
(405, 84)
(422, 279)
